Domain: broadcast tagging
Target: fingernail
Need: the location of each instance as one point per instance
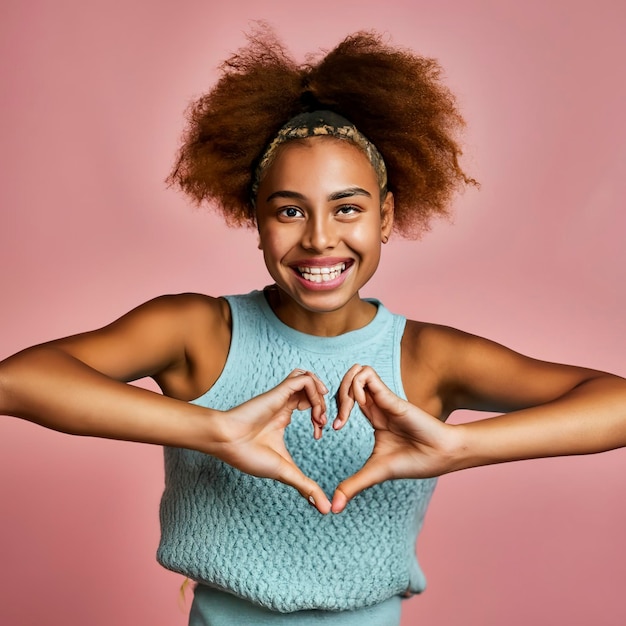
(336, 423)
(312, 500)
(324, 418)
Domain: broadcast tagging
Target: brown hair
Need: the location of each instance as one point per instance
(393, 96)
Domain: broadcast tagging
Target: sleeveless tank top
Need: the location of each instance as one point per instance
(259, 539)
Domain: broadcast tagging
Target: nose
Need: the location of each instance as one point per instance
(320, 234)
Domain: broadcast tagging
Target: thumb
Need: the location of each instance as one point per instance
(372, 473)
(292, 475)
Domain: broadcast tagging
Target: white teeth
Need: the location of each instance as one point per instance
(321, 274)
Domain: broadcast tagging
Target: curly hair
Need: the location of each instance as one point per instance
(393, 96)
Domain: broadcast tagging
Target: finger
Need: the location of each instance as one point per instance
(318, 415)
(371, 393)
(319, 421)
(318, 431)
(296, 372)
(318, 381)
(323, 389)
(290, 474)
(367, 379)
(345, 397)
(317, 403)
(370, 474)
(304, 389)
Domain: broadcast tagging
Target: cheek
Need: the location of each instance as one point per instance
(273, 244)
(366, 238)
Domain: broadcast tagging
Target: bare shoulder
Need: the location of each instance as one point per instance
(427, 350)
(186, 312)
(179, 340)
(202, 326)
(427, 338)
(436, 346)
(168, 319)
(456, 369)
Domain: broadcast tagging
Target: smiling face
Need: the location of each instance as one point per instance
(321, 224)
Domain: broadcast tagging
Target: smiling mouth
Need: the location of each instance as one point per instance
(316, 274)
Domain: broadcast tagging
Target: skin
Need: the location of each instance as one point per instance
(319, 203)
(318, 206)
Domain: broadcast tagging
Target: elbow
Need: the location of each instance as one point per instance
(10, 383)
(20, 375)
(4, 403)
(6, 388)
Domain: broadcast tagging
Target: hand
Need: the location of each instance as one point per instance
(408, 442)
(253, 433)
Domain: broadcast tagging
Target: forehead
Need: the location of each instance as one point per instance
(317, 159)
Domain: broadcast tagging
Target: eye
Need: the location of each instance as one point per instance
(348, 209)
(290, 212)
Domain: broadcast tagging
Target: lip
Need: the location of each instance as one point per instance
(322, 262)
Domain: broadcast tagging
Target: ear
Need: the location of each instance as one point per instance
(259, 245)
(386, 217)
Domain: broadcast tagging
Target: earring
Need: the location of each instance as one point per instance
(385, 238)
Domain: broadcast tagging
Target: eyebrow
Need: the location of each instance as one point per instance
(336, 195)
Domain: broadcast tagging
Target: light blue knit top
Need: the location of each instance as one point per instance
(258, 538)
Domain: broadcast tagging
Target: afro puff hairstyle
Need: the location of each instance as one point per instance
(393, 96)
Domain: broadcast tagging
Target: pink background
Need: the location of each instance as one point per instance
(93, 96)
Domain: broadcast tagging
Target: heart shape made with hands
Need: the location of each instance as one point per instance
(408, 442)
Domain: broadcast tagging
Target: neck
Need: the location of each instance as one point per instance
(353, 315)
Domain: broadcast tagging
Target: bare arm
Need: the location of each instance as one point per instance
(77, 385)
(50, 387)
(550, 410)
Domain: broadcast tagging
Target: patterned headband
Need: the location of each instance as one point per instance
(319, 123)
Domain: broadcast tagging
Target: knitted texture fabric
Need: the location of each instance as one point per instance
(259, 539)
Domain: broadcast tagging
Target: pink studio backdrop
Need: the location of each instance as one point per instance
(93, 96)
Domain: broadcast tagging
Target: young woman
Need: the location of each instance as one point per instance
(326, 161)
